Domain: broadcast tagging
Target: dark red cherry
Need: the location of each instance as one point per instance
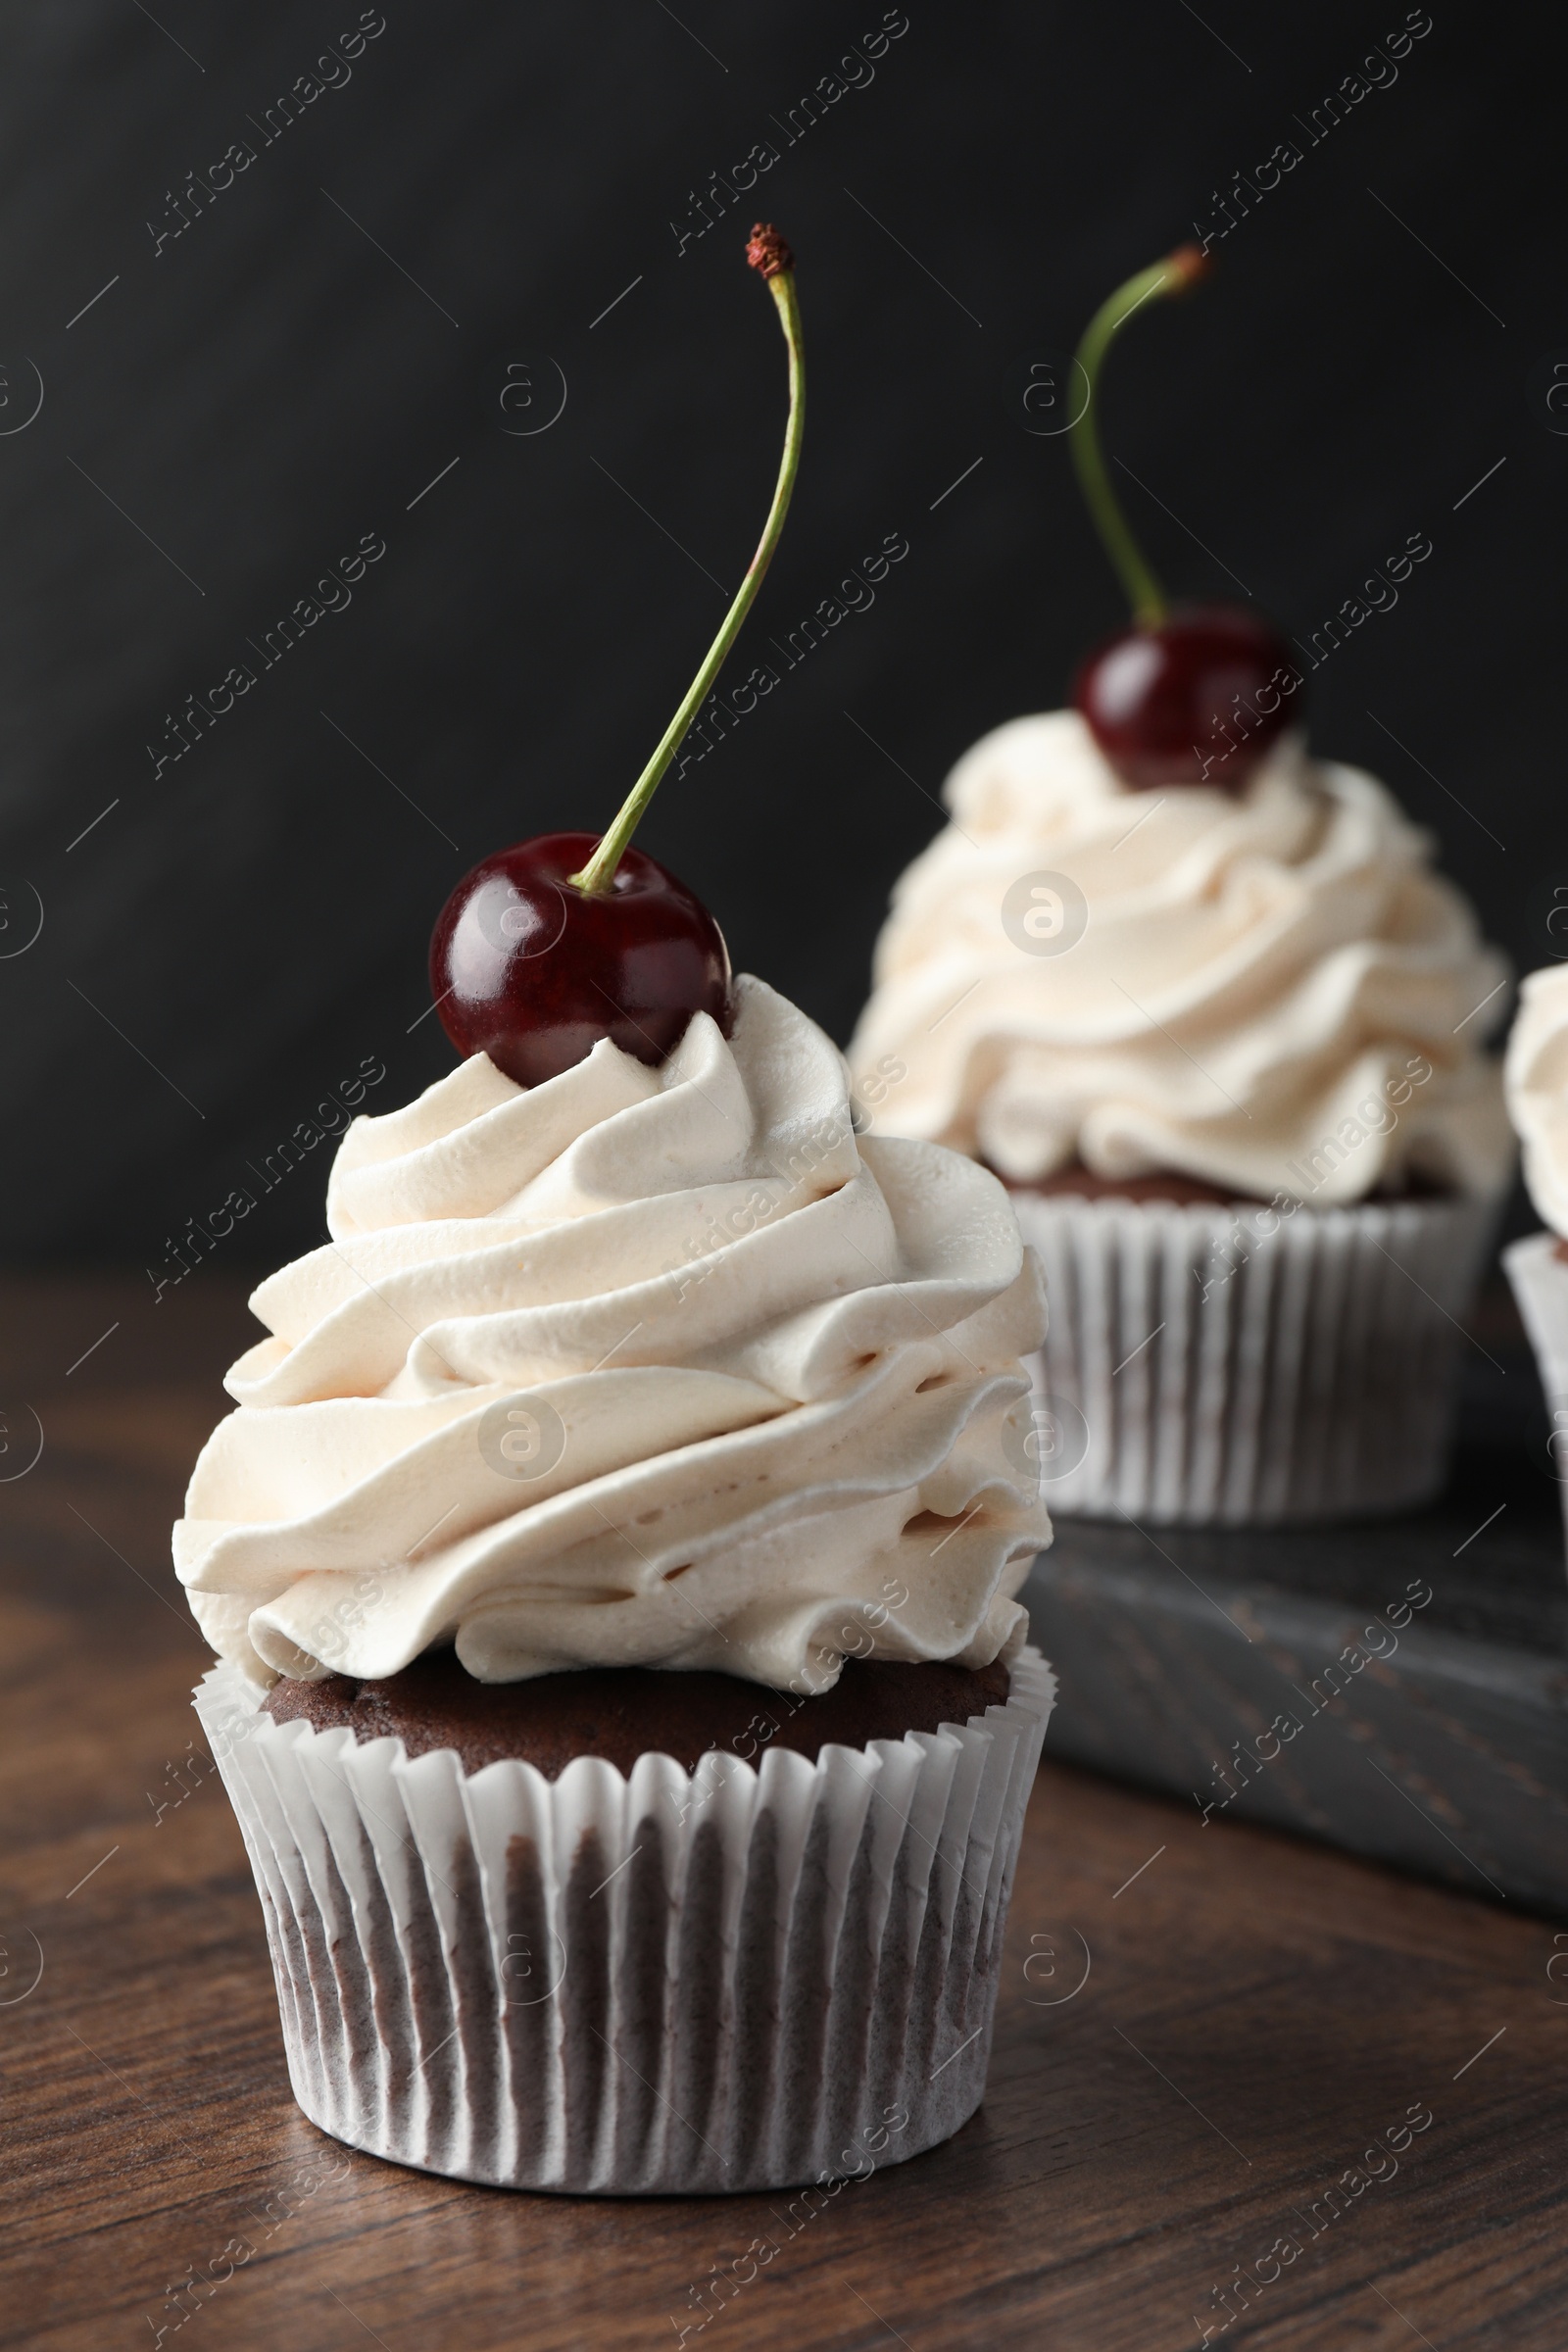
(532, 971)
(1197, 698)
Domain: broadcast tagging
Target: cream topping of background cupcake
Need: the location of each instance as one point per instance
(1536, 1075)
(1259, 972)
(635, 1367)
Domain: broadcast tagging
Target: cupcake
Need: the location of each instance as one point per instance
(1535, 1074)
(611, 1562)
(1203, 1004)
(618, 1413)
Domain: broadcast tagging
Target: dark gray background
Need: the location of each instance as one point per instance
(268, 386)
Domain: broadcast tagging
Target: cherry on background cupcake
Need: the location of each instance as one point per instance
(1196, 694)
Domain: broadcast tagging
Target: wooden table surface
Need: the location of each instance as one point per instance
(1202, 2031)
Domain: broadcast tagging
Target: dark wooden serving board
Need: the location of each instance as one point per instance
(1397, 1687)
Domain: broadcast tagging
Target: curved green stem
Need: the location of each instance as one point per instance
(1173, 275)
(597, 875)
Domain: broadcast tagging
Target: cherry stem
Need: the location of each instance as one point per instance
(778, 267)
(1173, 275)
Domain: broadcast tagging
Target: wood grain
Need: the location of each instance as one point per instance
(1255, 2013)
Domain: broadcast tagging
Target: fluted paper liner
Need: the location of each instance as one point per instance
(672, 1983)
(1540, 1281)
(1316, 1379)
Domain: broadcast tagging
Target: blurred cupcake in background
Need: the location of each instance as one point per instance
(1537, 1080)
(1205, 1006)
(1226, 1051)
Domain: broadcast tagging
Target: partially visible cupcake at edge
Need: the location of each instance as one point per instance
(1227, 1048)
(1536, 1078)
(640, 1368)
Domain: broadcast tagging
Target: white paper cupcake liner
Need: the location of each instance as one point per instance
(1307, 1372)
(1540, 1281)
(733, 1979)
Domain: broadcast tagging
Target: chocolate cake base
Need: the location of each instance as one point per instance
(1189, 1192)
(624, 1712)
(1078, 1183)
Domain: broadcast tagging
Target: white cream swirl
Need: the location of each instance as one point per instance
(1262, 981)
(637, 1367)
(1536, 1075)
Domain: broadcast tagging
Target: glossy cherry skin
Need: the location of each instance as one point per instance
(1200, 698)
(527, 968)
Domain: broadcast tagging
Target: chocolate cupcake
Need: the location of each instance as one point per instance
(612, 1562)
(1225, 1048)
